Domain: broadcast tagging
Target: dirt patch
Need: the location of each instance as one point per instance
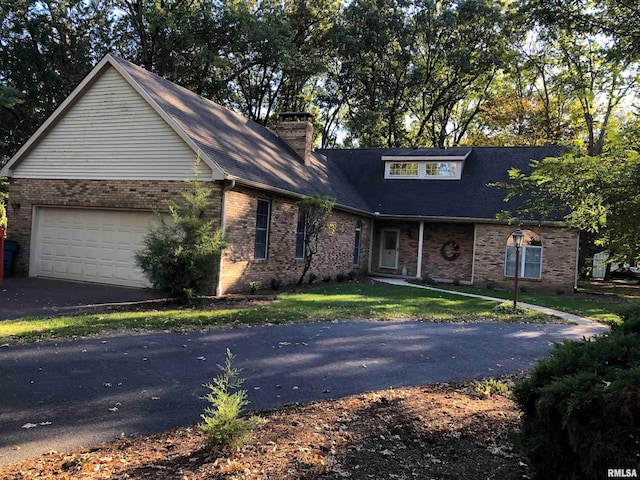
(440, 431)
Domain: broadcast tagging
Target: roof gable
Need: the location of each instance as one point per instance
(108, 129)
(245, 150)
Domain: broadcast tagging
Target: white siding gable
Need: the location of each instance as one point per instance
(112, 133)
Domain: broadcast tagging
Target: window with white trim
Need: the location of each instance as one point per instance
(300, 234)
(441, 169)
(356, 246)
(423, 170)
(403, 169)
(530, 261)
(261, 244)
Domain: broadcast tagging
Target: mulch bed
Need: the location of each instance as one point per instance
(440, 431)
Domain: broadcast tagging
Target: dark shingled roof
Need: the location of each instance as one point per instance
(241, 147)
(469, 197)
(250, 152)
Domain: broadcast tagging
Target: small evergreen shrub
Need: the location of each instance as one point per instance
(326, 278)
(353, 274)
(254, 286)
(312, 277)
(456, 282)
(180, 257)
(341, 277)
(581, 406)
(275, 283)
(223, 427)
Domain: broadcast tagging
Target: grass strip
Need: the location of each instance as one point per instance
(337, 302)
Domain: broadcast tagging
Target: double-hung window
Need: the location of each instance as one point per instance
(300, 234)
(530, 261)
(261, 244)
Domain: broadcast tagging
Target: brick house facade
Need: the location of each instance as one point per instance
(133, 195)
(82, 193)
(336, 253)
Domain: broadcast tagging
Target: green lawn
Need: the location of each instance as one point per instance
(336, 302)
(601, 305)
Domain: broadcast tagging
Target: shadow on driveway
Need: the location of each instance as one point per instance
(83, 392)
(24, 297)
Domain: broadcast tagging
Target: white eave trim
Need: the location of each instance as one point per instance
(546, 223)
(425, 158)
(7, 170)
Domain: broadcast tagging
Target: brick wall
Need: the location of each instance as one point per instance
(111, 194)
(559, 256)
(238, 266)
(433, 264)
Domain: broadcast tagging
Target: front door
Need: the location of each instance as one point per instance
(389, 249)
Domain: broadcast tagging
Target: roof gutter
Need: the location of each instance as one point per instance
(548, 223)
(299, 196)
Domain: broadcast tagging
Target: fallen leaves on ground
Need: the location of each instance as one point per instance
(440, 431)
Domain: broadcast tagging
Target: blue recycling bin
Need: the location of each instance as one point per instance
(10, 251)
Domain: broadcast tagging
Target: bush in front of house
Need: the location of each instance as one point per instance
(254, 286)
(275, 283)
(427, 280)
(341, 277)
(581, 406)
(180, 257)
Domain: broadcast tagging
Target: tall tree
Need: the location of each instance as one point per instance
(374, 41)
(459, 49)
(590, 61)
(180, 40)
(618, 20)
(47, 48)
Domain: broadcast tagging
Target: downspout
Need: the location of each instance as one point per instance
(223, 224)
(420, 244)
(370, 245)
(473, 254)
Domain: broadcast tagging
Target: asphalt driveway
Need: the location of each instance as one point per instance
(80, 393)
(22, 297)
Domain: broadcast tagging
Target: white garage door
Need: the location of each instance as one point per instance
(90, 245)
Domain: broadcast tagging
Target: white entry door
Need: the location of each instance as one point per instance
(389, 242)
(90, 245)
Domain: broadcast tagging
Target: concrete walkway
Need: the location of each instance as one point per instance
(578, 320)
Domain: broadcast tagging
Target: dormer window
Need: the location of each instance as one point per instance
(442, 169)
(426, 167)
(403, 169)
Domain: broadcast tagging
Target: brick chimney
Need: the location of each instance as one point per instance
(296, 129)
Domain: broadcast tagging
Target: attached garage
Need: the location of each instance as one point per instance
(89, 245)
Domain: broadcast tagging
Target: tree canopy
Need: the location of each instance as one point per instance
(393, 73)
